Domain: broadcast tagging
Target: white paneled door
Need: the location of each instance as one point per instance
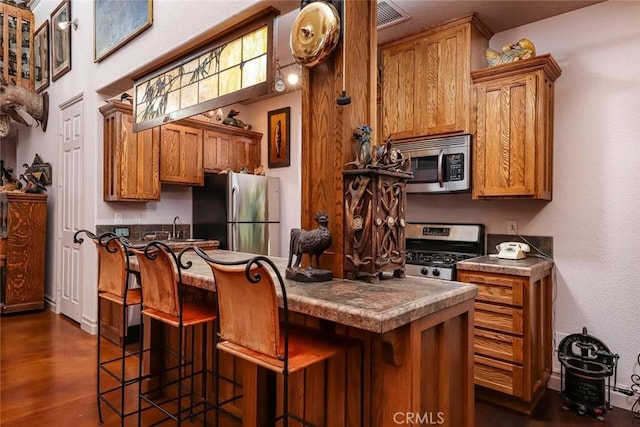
(71, 130)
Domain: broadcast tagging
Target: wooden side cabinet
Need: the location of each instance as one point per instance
(425, 79)
(181, 155)
(16, 45)
(513, 343)
(131, 160)
(375, 203)
(513, 146)
(23, 232)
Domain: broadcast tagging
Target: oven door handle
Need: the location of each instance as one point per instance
(440, 169)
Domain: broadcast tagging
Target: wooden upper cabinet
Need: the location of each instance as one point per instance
(181, 154)
(513, 148)
(426, 82)
(399, 98)
(16, 45)
(217, 147)
(248, 153)
(131, 160)
(227, 147)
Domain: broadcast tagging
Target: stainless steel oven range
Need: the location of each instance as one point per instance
(434, 249)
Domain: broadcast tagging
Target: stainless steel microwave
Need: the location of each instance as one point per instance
(439, 165)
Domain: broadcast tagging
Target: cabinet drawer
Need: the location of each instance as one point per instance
(501, 376)
(499, 318)
(495, 288)
(498, 345)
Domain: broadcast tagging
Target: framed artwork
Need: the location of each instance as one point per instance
(41, 57)
(116, 22)
(279, 148)
(61, 40)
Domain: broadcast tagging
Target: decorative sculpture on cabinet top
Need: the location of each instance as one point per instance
(15, 101)
(523, 49)
(313, 243)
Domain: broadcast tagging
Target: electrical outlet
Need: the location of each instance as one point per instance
(118, 218)
(512, 226)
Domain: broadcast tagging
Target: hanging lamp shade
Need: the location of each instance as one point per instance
(315, 33)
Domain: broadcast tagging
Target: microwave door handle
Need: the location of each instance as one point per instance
(440, 168)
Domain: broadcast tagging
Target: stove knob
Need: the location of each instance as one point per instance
(436, 272)
(424, 271)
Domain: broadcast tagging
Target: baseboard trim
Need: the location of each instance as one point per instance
(618, 399)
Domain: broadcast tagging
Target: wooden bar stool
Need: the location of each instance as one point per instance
(114, 287)
(164, 300)
(252, 328)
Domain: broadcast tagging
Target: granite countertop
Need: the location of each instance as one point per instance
(529, 266)
(183, 243)
(378, 308)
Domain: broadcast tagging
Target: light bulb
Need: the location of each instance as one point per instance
(292, 78)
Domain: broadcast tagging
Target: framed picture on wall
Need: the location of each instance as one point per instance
(116, 22)
(279, 150)
(61, 40)
(41, 57)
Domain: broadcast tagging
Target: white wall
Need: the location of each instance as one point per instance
(593, 217)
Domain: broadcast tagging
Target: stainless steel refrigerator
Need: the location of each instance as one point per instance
(242, 211)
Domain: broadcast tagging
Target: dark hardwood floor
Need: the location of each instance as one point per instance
(48, 378)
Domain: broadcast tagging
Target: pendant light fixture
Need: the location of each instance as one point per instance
(278, 83)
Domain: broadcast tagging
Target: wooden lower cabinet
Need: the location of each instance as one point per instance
(513, 343)
(23, 232)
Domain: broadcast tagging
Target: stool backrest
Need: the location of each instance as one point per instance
(248, 312)
(112, 266)
(159, 280)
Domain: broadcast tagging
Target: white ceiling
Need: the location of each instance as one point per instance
(498, 15)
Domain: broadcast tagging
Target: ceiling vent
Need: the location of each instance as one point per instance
(389, 14)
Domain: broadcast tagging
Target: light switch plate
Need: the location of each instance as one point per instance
(121, 231)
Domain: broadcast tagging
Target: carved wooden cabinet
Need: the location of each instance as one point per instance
(131, 160)
(375, 207)
(513, 146)
(425, 79)
(181, 154)
(23, 232)
(227, 147)
(16, 45)
(513, 342)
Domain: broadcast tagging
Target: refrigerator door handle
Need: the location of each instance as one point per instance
(233, 236)
(234, 203)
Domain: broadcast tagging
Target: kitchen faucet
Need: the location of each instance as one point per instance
(174, 234)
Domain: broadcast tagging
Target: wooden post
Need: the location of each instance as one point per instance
(327, 128)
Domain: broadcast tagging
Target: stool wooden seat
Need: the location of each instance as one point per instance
(164, 300)
(252, 326)
(114, 286)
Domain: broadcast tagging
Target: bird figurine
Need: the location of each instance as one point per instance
(9, 180)
(312, 242)
(511, 52)
(125, 97)
(231, 118)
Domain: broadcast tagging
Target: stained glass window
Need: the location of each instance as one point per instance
(230, 72)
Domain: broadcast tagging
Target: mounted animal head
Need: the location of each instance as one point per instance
(16, 101)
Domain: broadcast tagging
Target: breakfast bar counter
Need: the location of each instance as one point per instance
(418, 349)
